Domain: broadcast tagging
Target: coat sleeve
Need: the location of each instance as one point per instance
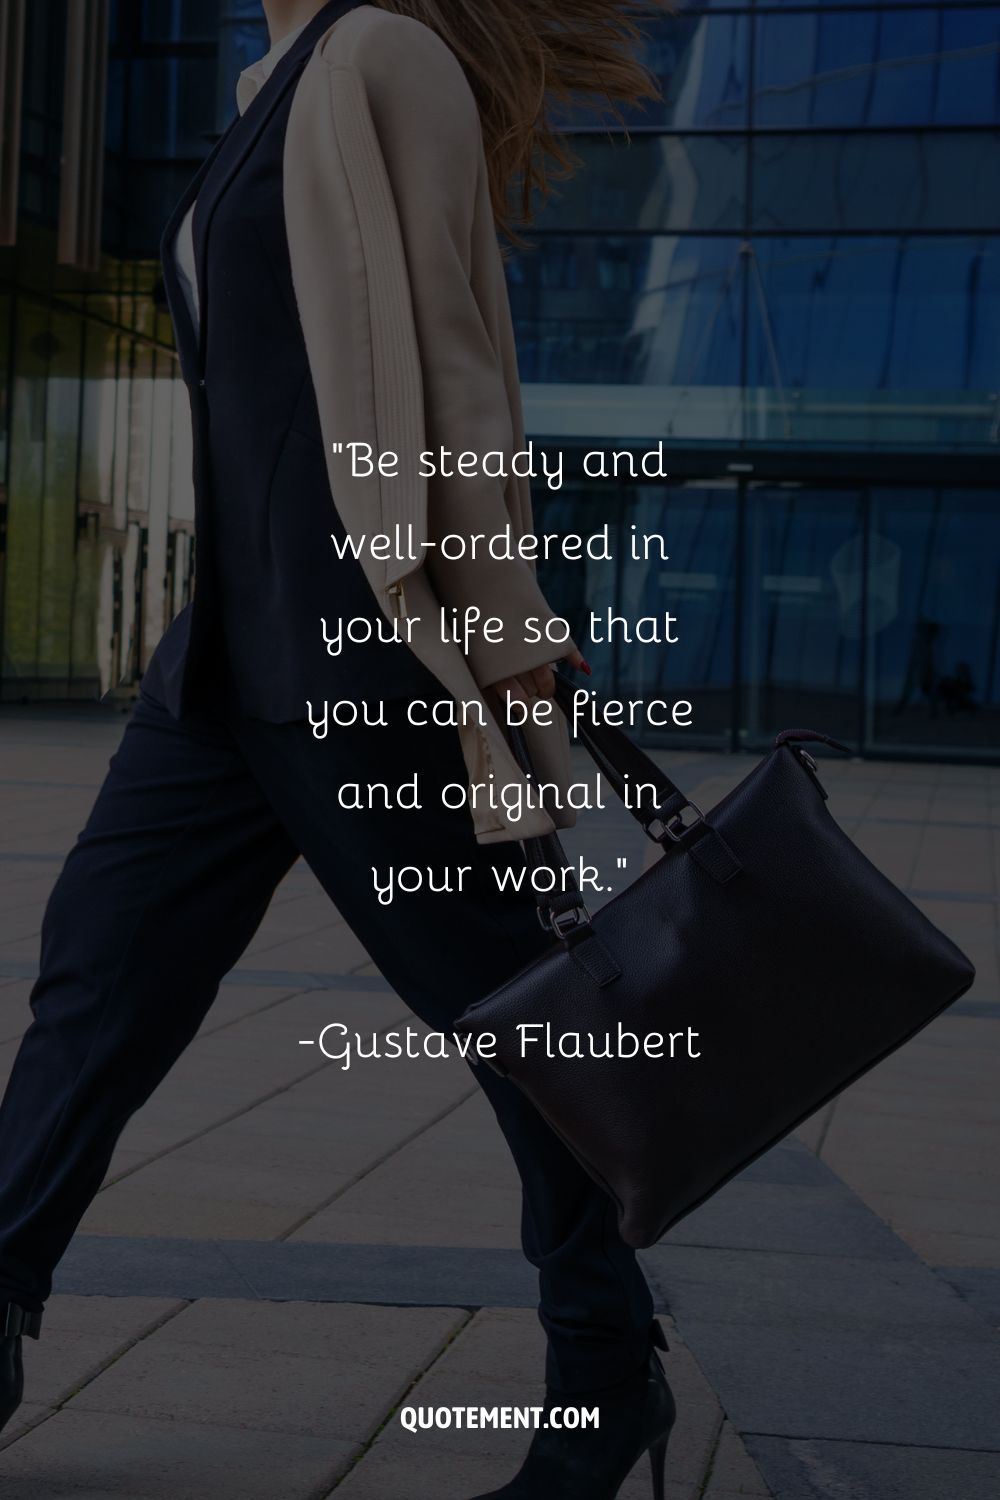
(428, 128)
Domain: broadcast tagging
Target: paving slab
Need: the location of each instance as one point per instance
(979, 1285)
(874, 1471)
(236, 1063)
(28, 1415)
(790, 1164)
(916, 1140)
(79, 1455)
(836, 1293)
(733, 1471)
(84, 1335)
(404, 1200)
(329, 1371)
(330, 946)
(825, 1220)
(423, 1473)
(861, 1387)
(822, 1347)
(264, 1172)
(236, 1001)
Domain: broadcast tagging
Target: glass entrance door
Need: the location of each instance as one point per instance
(804, 611)
(934, 644)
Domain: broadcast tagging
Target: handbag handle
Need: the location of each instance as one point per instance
(663, 811)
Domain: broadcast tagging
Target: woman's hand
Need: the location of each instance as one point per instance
(539, 682)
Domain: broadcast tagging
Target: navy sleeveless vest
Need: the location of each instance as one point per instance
(267, 572)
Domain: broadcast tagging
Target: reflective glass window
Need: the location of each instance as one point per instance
(803, 620)
(769, 5)
(181, 20)
(701, 64)
(242, 40)
(45, 418)
(686, 182)
(968, 83)
(915, 181)
(867, 67)
(934, 640)
(636, 309)
(42, 109)
(697, 586)
(6, 310)
(867, 340)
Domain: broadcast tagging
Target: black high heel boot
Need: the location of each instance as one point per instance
(14, 1321)
(592, 1463)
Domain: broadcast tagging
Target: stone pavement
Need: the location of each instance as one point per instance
(284, 1251)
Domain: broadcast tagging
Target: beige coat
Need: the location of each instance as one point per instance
(403, 301)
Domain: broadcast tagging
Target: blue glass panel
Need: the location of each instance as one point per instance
(697, 586)
(781, 5)
(934, 663)
(802, 628)
(242, 41)
(180, 20)
(897, 181)
(968, 83)
(802, 74)
(661, 310)
(898, 67)
(874, 340)
(701, 63)
(651, 182)
(904, 71)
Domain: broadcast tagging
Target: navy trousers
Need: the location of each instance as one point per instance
(198, 820)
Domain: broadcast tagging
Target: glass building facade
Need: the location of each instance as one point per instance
(96, 549)
(787, 270)
(790, 274)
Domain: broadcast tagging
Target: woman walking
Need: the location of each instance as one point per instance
(334, 277)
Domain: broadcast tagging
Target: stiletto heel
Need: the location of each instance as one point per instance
(658, 1464)
(636, 1417)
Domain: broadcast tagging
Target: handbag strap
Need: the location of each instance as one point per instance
(665, 813)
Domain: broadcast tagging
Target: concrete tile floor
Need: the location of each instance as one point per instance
(254, 1139)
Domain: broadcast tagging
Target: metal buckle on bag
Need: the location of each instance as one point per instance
(562, 923)
(675, 827)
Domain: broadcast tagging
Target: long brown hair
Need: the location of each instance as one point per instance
(521, 58)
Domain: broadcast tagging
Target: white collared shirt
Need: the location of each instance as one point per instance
(248, 86)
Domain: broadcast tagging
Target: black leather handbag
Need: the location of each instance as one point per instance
(737, 985)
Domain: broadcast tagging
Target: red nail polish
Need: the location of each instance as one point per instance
(587, 667)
